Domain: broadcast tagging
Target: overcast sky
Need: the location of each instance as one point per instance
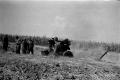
(90, 20)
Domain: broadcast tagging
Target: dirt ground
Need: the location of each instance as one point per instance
(37, 67)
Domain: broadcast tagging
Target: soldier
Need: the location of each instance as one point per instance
(18, 45)
(5, 43)
(24, 46)
(31, 46)
(57, 42)
(51, 43)
(56, 39)
(58, 49)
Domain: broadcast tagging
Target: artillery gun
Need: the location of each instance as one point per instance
(61, 48)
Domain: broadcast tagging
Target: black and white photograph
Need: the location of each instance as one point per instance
(59, 39)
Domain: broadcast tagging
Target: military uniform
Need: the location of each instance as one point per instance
(31, 47)
(51, 43)
(25, 46)
(18, 46)
(5, 43)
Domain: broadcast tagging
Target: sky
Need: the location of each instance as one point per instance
(77, 20)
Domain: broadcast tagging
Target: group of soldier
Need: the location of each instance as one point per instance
(25, 46)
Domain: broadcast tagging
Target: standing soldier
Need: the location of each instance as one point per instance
(57, 42)
(31, 46)
(51, 43)
(27, 46)
(24, 46)
(56, 39)
(58, 46)
(18, 45)
(5, 43)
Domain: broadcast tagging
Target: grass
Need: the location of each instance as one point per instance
(24, 67)
(36, 67)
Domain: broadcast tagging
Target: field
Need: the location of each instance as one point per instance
(84, 66)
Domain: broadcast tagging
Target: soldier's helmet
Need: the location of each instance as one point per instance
(56, 38)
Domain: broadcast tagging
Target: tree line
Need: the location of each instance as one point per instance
(43, 41)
